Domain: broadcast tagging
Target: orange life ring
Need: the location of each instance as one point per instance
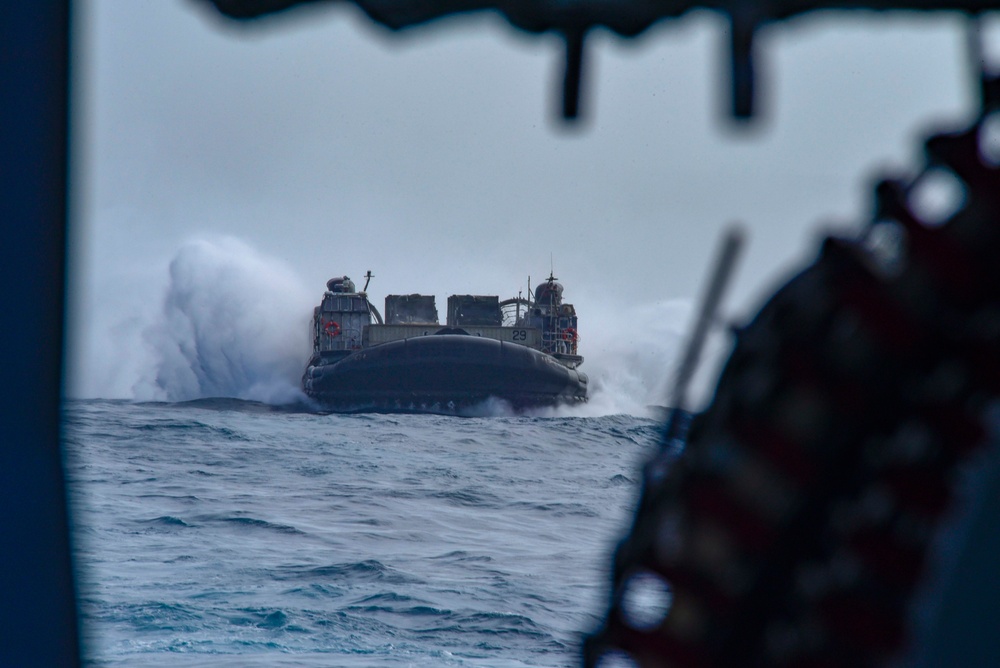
(332, 328)
(569, 334)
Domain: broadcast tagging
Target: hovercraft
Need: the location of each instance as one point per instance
(520, 351)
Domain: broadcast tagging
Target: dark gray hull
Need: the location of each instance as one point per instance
(442, 373)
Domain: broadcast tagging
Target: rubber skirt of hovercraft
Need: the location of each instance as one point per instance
(443, 373)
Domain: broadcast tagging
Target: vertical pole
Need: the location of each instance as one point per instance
(38, 622)
(722, 270)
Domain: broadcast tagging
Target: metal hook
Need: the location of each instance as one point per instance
(573, 74)
(741, 52)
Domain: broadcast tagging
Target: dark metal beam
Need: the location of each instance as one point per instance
(626, 17)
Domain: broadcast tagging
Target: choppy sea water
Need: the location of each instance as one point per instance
(232, 533)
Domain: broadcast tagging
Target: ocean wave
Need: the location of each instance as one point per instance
(254, 523)
(167, 520)
(223, 533)
(366, 570)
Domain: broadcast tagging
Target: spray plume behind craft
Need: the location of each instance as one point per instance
(631, 354)
(233, 322)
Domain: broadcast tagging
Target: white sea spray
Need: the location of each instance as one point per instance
(233, 324)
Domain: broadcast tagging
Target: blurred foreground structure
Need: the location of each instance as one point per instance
(797, 527)
(573, 20)
(836, 503)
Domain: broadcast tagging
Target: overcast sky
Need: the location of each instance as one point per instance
(433, 157)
